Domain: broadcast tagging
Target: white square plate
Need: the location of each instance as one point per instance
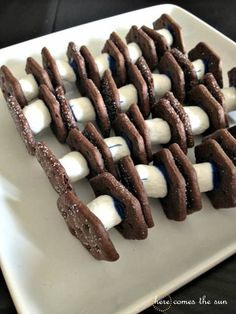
(46, 269)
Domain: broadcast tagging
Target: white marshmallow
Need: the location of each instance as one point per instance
(38, 116)
(153, 180)
(29, 87)
(128, 96)
(102, 62)
(162, 84)
(83, 109)
(159, 131)
(230, 98)
(75, 165)
(66, 71)
(118, 147)
(104, 208)
(198, 119)
(204, 176)
(134, 51)
(199, 67)
(167, 34)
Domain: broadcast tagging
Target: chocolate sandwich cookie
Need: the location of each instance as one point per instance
(232, 130)
(53, 168)
(146, 44)
(183, 117)
(232, 77)
(193, 194)
(125, 128)
(66, 112)
(121, 45)
(147, 75)
(91, 133)
(57, 124)
(159, 41)
(186, 65)
(21, 124)
(133, 225)
(110, 95)
(116, 62)
(50, 66)
(11, 86)
(78, 142)
(85, 226)
(165, 21)
(175, 202)
(137, 119)
(200, 96)
(131, 180)
(170, 67)
(227, 141)
(164, 110)
(39, 73)
(211, 60)
(77, 63)
(136, 78)
(224, 176)
(102, 117)
(91, 66)
(210, 82)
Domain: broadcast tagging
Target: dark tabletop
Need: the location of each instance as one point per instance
(22, 20)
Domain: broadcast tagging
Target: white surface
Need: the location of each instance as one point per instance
(104, 208)
(153, 180)
(46, 269)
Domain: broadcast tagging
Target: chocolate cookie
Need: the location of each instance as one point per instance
(54, 170)
(110, 95)
(232, 77)
(66, 112)
(147, 75)
(136, 78)
(159, 41)
(175, 202)
(125, 128)
(131, 180)
(121, 45)
(183, 117)
(223, 194)
(193, 194)
(211, 60)
(200, 96)
(169, 66)
(85, 226)
(116, 62)
(78, 142)
(186, 65)
(210, 82)
(145, 43)
(21, 124)
(165, 21)
(53, 105)
(91, 133)
(77, 63)
(102, 117)
(11, 87)
(91, 66)
(50, 66)
(133, 225)
(39, 73)
(227, 141)
(136, 117)
(164, 110)
(232, 130)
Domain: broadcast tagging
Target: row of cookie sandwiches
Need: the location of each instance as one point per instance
(172, 178)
